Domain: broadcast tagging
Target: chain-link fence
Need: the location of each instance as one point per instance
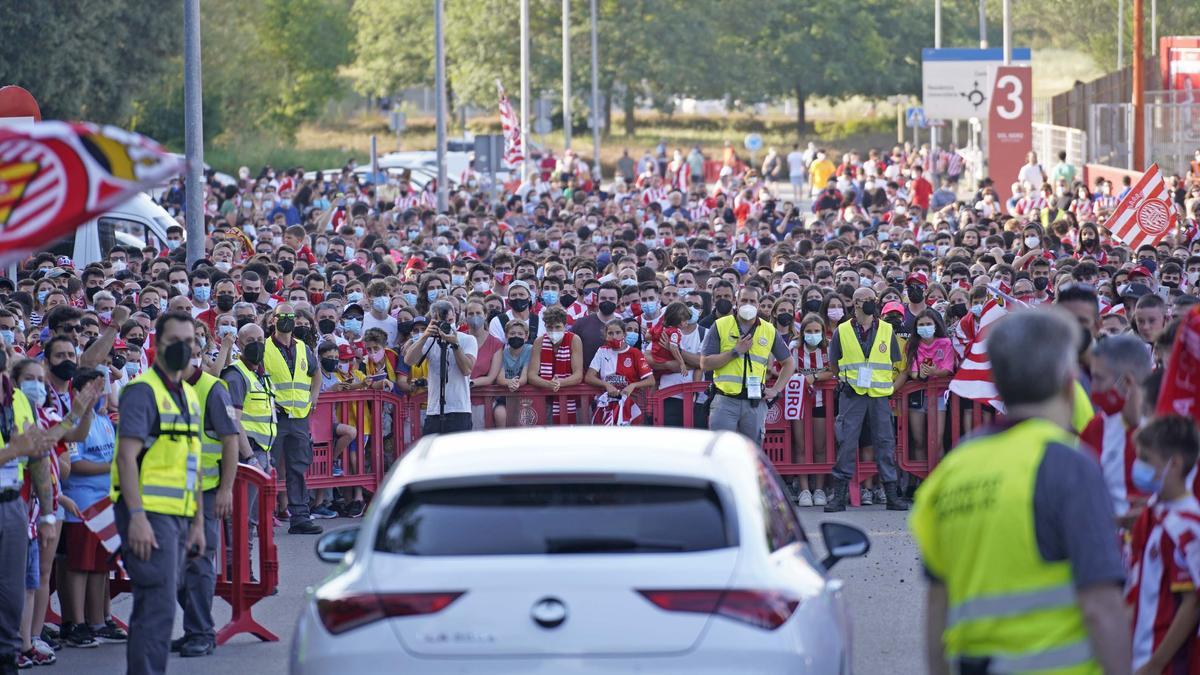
(1108, 134)
(1172, 135)
(1049, 140)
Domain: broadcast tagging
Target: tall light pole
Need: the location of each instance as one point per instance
(566, 73)
(595, 99)
(439, 39)
(1120, 34)
(983, 41)
(525, 87)
(1007, 18)
(1139, 89)
(193, 132)
(934, 132)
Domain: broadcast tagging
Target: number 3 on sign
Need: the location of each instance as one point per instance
(1013, 96)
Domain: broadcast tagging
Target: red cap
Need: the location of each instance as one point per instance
(917, 278)
(1140, 269)
(345, 352)
(64, 261)
(118, 343)
(415, 263)
(893, 306)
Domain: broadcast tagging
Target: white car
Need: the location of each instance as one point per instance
(579, 550)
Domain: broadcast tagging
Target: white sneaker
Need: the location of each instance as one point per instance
(41, 647)
(866, 497)
(819, 498)
(880, 495)
(805, 499)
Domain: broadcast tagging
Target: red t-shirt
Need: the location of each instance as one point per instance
(922, 190)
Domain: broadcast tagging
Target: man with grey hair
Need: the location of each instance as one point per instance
(1120, 364)
(451, 357)
(1024, 574)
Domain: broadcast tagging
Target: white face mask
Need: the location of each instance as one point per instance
(1032, 242)
(556, 336)
(182, 287)
(747, 312)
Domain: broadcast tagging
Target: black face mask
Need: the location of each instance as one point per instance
(329, 365)
(250, 297)
(516, 342)
(1085, 341)
(916, 294)
(326, 326)
(812, 306)
(404, 327)
(868, 308)
(957, 311)
(3, 360)
(225, 302)
(784, 319)
(135, 342)
(243, 320)
(333, 256)
(177, 355)
(301, 332)
(337, 288)
(253, 352)
(723, 307)
(91, 293)
(284, 325)
(680, 262)
(287, 266)
(607, 307)
(519, 305)
(150, 311)
(566, 300)
(118, 361)
(1041, 283)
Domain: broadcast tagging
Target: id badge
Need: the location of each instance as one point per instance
(753, 387)
(8, 475)
(864, 378)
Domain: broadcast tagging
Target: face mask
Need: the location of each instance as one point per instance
(916, 293)
(695, 317)
(607, 307)
(503, 278)
(1040, 283)
(556, 336)
(250, 297)
(326, 326)
(482, 286)
(354, 297)
(34, 391)
(321, 249)
(926, 331)
(977, 310)
(516, 342)
(224, 266)
(162, 306)
(8, 336)
(202, 293)
(376, 355)
(812, 339)
(253, 352)
(352, 326)
(549, 297)
(224, 330)
(868, 308)
(1111, 401)
(474, 322)
(64, 370)
(1032, 242)
(458, 279)
(285, 325)
(182, 287)
(626, 283)
(329, 365)
(382, 303)
(177, 355)
(302, 332)
(723, 307)
(649, 306)
(433, 294)
(519, 305)
(150, 311)
(118, 265)
(632, 338)
(42, 295)
(566, 299)
(741, 266)
(747, 312)
(118, 361)
(812, 306)
(1145, 477)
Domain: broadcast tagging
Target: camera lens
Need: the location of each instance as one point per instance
(445, 327)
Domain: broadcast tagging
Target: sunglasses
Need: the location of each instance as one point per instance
(284, 316)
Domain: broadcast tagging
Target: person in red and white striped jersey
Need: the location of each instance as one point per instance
(1105, 202)
(655, 192)
(1165, 550)
(679, 174)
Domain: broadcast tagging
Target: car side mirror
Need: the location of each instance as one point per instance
(843, 541)
(333, 546)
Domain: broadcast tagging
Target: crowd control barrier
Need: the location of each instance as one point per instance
(378, 418)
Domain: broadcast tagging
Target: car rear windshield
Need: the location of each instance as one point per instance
(555, 519)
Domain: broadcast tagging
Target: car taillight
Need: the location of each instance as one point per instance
(763, 609)
(340, 614)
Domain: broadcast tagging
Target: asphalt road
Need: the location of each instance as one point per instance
(884, 589)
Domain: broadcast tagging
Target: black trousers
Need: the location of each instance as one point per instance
(448, 423)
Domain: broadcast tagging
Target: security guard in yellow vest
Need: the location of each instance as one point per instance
(738, 350)
(1025, 574)
(21, 443)
(862, 353)
(157, 489)
(292, 367)
(219, 449)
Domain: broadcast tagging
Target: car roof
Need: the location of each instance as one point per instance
(578, 449)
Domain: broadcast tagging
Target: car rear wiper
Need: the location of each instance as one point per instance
(607, 544)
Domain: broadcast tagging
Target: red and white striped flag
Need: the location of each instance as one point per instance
(514, 145)
(1146, 214)
(100, 519)
(974, 377)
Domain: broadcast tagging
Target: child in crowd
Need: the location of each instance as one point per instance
(620, 370)
(509, 367)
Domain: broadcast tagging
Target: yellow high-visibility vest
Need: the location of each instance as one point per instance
(293, 387)
(729, 377)
(878, 360)
(170, 462)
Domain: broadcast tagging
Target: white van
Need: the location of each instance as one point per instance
(138, 222)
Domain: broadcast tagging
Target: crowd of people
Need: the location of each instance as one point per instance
(854, 267)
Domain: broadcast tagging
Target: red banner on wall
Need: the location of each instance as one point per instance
(1010, 127)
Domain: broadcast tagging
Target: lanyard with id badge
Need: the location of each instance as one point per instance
(753, 383)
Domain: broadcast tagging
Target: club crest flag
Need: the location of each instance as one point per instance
(1146, 214)
(514, 145)
(55, 176)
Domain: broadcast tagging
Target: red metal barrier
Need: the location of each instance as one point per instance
(529, 406)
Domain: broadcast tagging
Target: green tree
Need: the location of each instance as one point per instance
(304, 43)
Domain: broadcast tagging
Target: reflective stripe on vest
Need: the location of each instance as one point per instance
(22, 418)
(877, 361)
(170, 461)
(258, 408)
(728, 378)
(210, 447)
(293, 387)
(974, 524)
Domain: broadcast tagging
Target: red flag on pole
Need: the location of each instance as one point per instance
(514, 145)
(54, 176)
(1146, 214)
(1181, 377)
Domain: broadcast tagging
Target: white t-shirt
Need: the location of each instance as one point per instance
(497, 329)
(795, 161)
(690, 343)
(388, 324)
(458, 383)
(1032, 174)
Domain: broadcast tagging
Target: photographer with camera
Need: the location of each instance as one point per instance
(451, 357)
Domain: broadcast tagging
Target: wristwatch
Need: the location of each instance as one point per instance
(49, 519)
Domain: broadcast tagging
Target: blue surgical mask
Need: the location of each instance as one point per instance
(8, 336)
(741, 266)
(812, 339)
(352, 326)
(632, 338)
(222, 331)
(458, 279)
(684, 292)
(34, 391)
(695, 317)
(173, 244)
(550, 297)
(42, 297)
(1144, 476)
(132, 368)
(431, 294)
(409, 298)
(649, 306)
(202, 293)
(925, 331)
(360, 231)
(354, 296)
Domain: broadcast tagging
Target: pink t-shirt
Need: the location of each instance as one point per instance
(939, 352)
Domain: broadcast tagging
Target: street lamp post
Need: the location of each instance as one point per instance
(439, 39)
(596, 100)
(566, 73)
(193, 133)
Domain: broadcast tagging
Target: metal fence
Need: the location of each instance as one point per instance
(1049, 140)
(1171, 132)
(1108, 134)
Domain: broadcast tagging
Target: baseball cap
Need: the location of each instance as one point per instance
(1141, 269)
(892, 306)
(917, 278)
(345, 352)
